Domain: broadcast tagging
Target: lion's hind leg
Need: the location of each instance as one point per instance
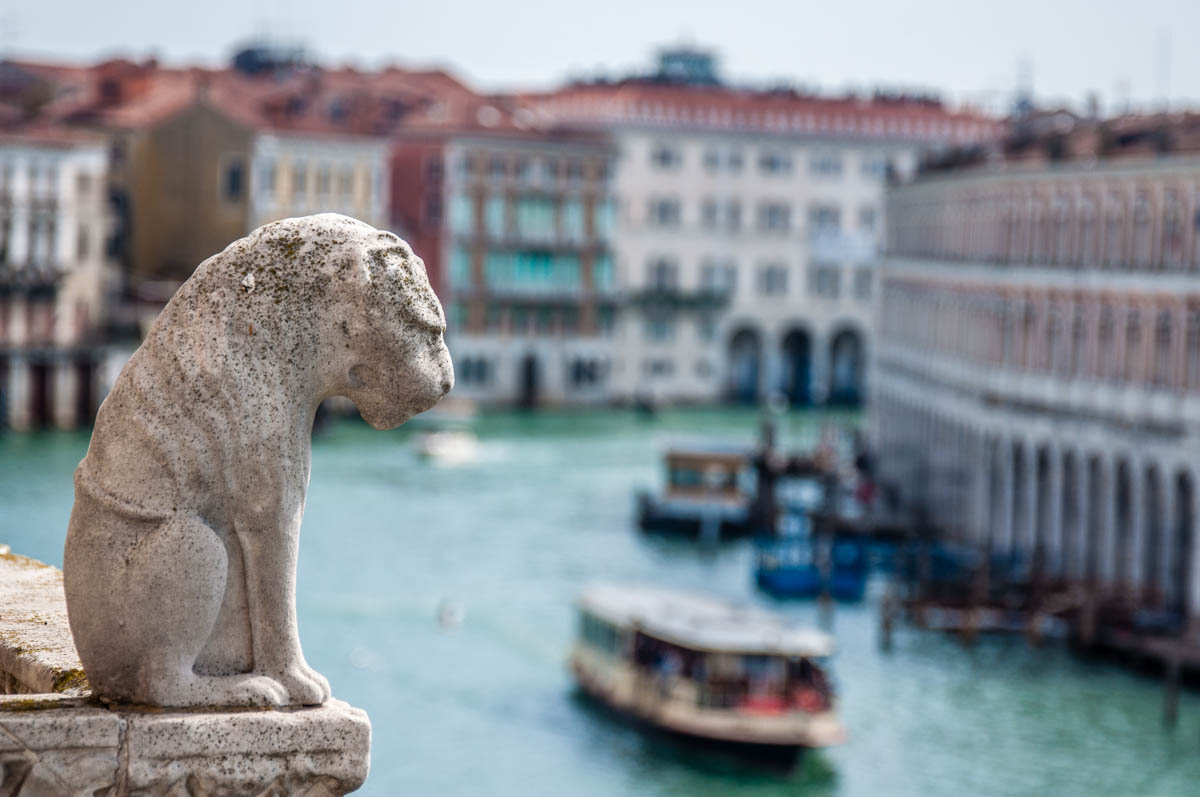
(163, 594)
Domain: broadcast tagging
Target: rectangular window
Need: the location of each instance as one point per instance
(866, 219)
(774, 217)
(604, 213)
(494, 212)
(665, 212)
(772, 280)
(824, 280)
(460, 268)
(659, 329)
(733, 216)
(324, 181)
(666, 156)
(874, 165)
(234, 184)
(299, 180)
(825, 164)
(266, 178)
(718, 276)
(775, 162)
(862, 282)
(433, 209)
(824, 221)
(535, 218)
(462, 214)
(603, 277)
(662, 274)
(572, 219)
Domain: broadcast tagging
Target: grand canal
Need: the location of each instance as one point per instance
(486, 707)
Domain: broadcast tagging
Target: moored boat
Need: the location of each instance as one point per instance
(705, 494)
(701, 668)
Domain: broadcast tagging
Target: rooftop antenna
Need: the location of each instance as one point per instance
(1023, 100)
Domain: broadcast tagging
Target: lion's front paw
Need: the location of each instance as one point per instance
(305, 686)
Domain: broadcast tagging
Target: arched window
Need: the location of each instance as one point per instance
(1162, 349)
(1172, 230)
(1106, 364)
(1114, 216)
(1193, 348)
(1142, 241)
(1133, 345)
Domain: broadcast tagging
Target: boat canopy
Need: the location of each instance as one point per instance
(701, 623)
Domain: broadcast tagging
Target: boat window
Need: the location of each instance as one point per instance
(599, 634)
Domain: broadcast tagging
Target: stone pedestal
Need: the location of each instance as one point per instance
(73, 747)
(55, 739)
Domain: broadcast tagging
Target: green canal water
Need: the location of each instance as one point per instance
(487, 708)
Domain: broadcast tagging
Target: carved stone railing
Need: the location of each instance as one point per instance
(55, 738)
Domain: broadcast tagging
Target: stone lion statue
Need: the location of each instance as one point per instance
(180, 560)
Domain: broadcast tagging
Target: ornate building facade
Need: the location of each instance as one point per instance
(55, 277)
(1036, 385)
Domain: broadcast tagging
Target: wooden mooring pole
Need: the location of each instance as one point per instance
(887, 617)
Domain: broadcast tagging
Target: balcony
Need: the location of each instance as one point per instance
(672, 298)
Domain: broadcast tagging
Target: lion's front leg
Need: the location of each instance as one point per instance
(269, 556)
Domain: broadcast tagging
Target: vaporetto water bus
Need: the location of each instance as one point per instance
(705, 669)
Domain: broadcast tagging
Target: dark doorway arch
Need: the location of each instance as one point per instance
(745, 366)
(530, 381)
(1039, 544)
(847, 361)
(797, 367)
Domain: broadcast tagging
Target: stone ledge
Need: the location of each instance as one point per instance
(73, 747)
(37, 654)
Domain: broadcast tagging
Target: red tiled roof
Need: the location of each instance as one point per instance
(782, 112)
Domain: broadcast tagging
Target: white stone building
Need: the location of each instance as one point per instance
(747, 228)
(1036, 386)
(55, 277)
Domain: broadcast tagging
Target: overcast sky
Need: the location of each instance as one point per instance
(1131, 51)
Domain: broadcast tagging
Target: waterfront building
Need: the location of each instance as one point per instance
(198, 157)
(55, 276)
(747, 225)
(516, 214)
(1036, 385)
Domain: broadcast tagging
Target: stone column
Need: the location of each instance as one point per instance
(1081, 532)
(819, 365)
(1167, 536)
(66, 394)
(19, 417)
(1028, 536)
(1004, 540)
(772, 365)
(1106, 560)
(1054, 534)
(1133, 550)
(982, 491)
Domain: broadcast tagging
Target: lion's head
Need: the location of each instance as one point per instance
(361, 303)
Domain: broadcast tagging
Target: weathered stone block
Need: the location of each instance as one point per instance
(75, 748)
